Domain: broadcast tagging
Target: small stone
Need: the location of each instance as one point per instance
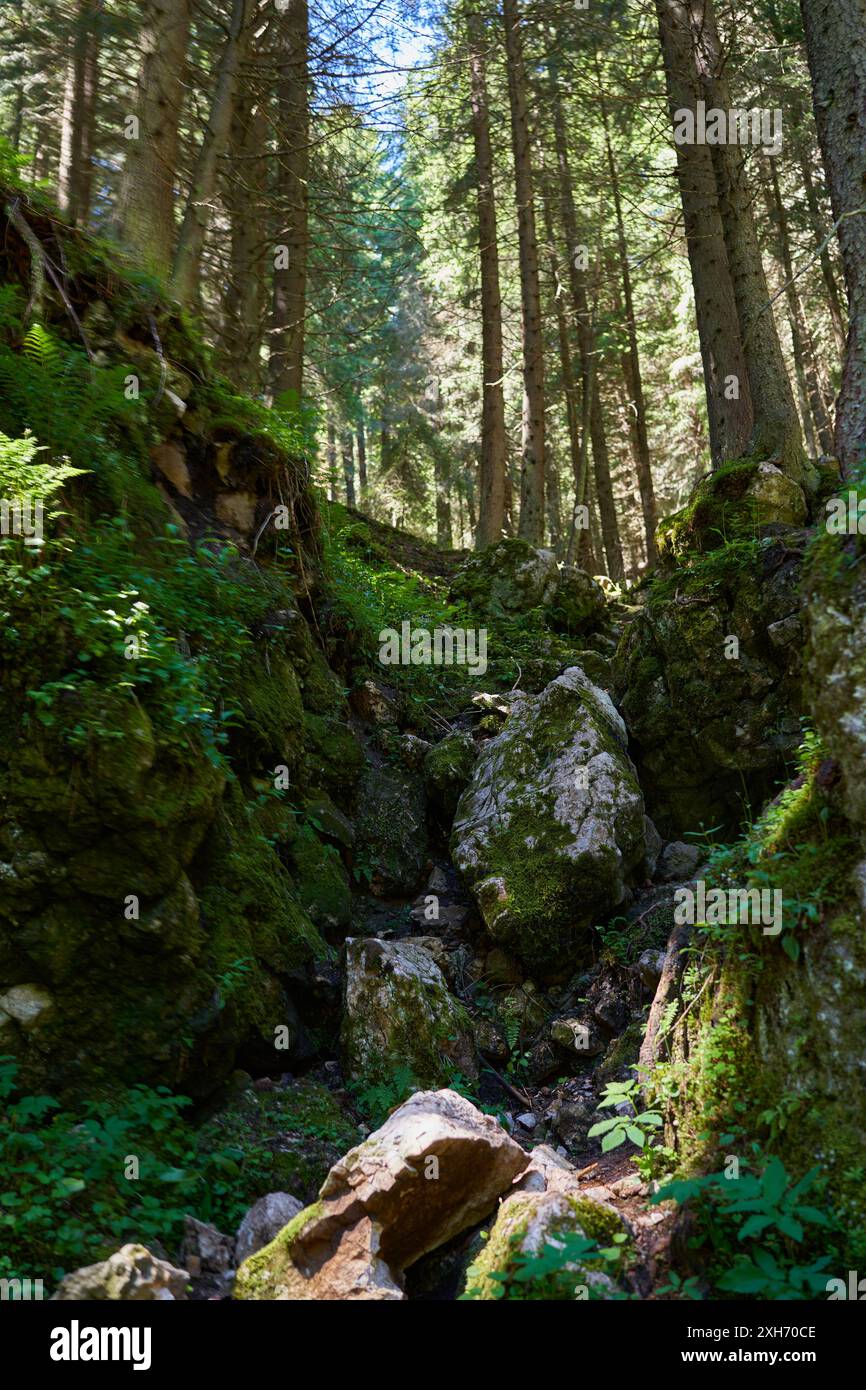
(132, 1274)
(264, 1221)
(527, 1119)
(677, 862)
(650, 966)
(26, 1004)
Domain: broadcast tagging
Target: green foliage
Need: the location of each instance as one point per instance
(50, 388)
(171, 630)
(801, 845)
(765, 1206)
(376, 1101)
(639, 1128)
(556, 1273)
(24, 475)
(66, 1199)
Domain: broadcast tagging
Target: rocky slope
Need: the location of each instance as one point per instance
(393, 925)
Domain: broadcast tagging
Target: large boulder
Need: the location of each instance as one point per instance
(131, 1273)
(398, 1013)
(448, 767)
(544, 1208)
(709, 680)
(578, 604)
(507, 580)
(733, 502)
(835, 586)
(551, 828)
(264, 1220)
(434, 1169)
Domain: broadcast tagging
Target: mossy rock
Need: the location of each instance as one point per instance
(321, 881)
(390, 828)
(578, 605)
(448, 767)
(551, 828)
(709, 676)
(526, 1226)
(734, 503)
(506, 580)
(399, 1015)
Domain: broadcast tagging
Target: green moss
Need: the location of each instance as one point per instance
(321, 882)
(249, 899)
(507, 1251)
(722, 510)
(270, 1272)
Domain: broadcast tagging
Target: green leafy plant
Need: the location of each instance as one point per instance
(638, 1127)
(765, 1212)
(68, 1195)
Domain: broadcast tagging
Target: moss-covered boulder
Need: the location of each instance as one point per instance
(433, 1170)
(578, 605)
(836, 660)
(321, 881)
(550, 831)
(398, 1013)
(709, 679)
(531, 1226)
(734, 503)
(506, 580)
(447, 769)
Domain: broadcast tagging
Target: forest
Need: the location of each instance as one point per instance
(433, 738)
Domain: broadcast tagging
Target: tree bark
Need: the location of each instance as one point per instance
(332, 459)
(190, 243)
(362, 456)
(443, 502)
(592, 412)
(631, 361)
(837, 62)
(75, 171)
(349, 466)
(491, 506)
(569, 389)
(289, 304)
(244, 196)
(803, 354)
(776, 431)
(821, 230)
(531, 527)
(147, 216)
(729, 403)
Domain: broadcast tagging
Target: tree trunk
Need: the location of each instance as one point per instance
(88, 115)
(147, 216)
(834, 43)
(729, 403)
(821, 234)
(491, 506)
(443, 502)
(349, 466)
(631, 361)
(802, 342)
(190, 242)
(332, 460)
(531, 526)
(591, 410)
(362, 456)
(578, 459)
(75, 171)
(776, 432)
(244, 196)
(290, 268)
